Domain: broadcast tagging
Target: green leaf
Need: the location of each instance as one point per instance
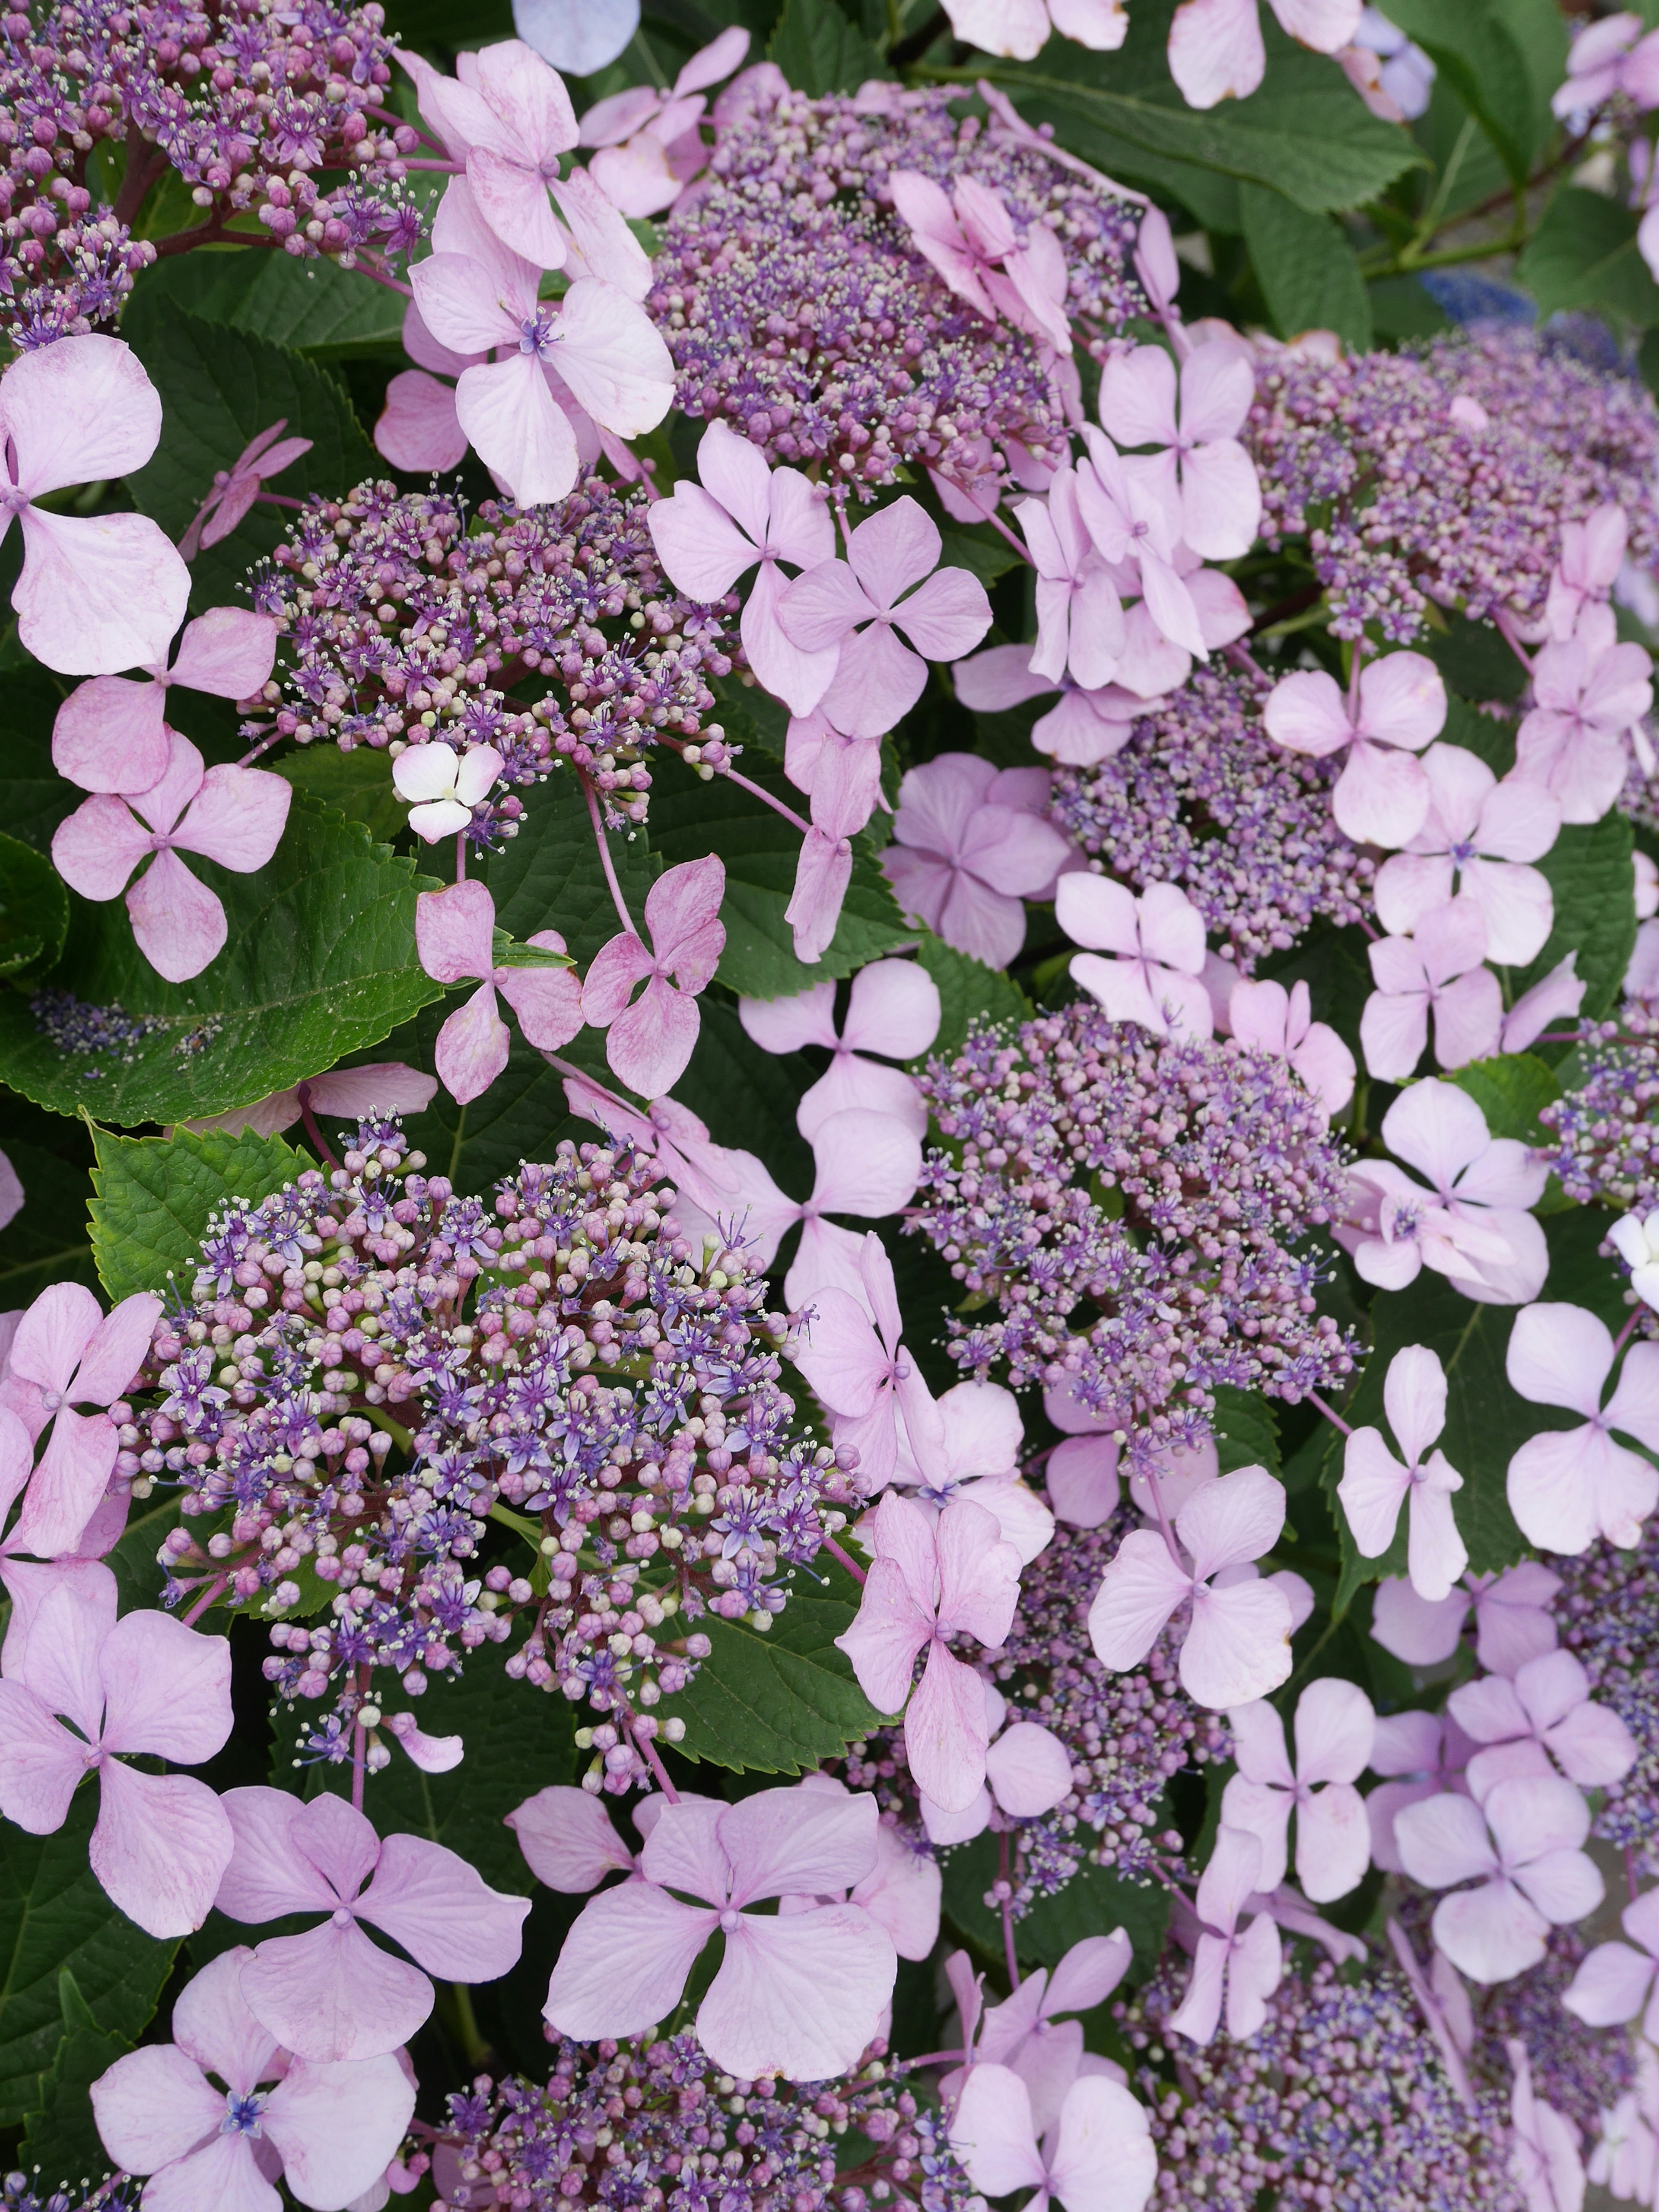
(1475, 660)
(1584, 254)
(1308, 272)
(358, 784)
(981, 551)
(759, 850)
(1246, 1433)
(783, 1701)
(1402, 308)
(1474, 46)
(747, 1097)
(518, 1740)
(54, 1916)
(1092, 1903)
(1305, 133)
(1486, 1422)
(1509, 1091)
(319, 961)
(819, 50)
(549, 877)
(46, 1241)
(311, 307)
(220, 388)
(155, 1195)
(61, 2142)
(1592, 878)
(33, 909)
(37, 797)
(969, 992)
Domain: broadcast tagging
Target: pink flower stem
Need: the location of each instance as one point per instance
(1624, 1336)
(265, 745)
(1241, 656)
(278, 499)
(1005, 1882)
(766, 798)
(359, 1771)
(605, 860)
(205, 1599)
(1506, 630)
(857, 1572)
(308, 1122)
(420, 162)
(1157, 1489)
(1335, 1420)
(939, 2058)
(1012, 537)
(460, 856)
(643, 1744)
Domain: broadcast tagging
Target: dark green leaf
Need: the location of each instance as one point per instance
(358, 783)
(61, 2142)
(549, 877)
(1594, 880)
(155, 1195)
(1305, 133)
(46, 1242)
(53, 1916)
(1475, 46)
(311, 307)
(781, 1702)
(37, 797)
(748, 1096)
(981, 552)
(1246, 1433)
(1093, 1903)
(1486, 1422)
(1402, 308)
(969, 992)
(1584, 254)
(820, 51)
(1509, 1091)
(219, 388)
(759, 850)
(319, 961)
(1308, 272)
(33, 909)
(518, 1739)
(1475, 660)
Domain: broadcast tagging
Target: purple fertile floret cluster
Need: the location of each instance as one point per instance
(1608, 1608)
(1606, 1139)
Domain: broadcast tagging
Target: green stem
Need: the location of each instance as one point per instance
(464, 2023)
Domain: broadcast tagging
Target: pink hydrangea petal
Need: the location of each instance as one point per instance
(624, 1962)
(109, 736)
(649, 1045)
(567, 1839)
(166, 1689)
(331, 1995)
(801, 1995)
(41, 1764)
(700, 548)
(1029, 1769)
(1611, 1985)
(228, 651)
(787, 1839)
(517, 427)
(69, 1483)
(178, 923)
(154, 2107)
(612, 358)
(1142, 1587)
(85, 409)
(236, 817)
(98, 593)
(513, 200)
(212, 2025)
(336, 2128)
(1227, 1523)
(822, 874)
(442, 1912)
(876, 681)
(161, 1843)
(1238, 1647)
(96, 848)
(418, 428)
(888, 1631)
(268, 1874)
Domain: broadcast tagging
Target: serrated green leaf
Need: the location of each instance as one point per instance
(969, 992)
(357, 784)
(33, 909)
(1475, 46)
(1305, 133)
(518, 1740)
(748, 1097)
(1475, 660)
(820, 51)
(1509, 1091)
(1308, 273)
(319, 961)
(1092, 1903)
(309, 307)
(37, 797)
(1584, 254)
(219, 388)
(154, 1197)
(759, 850)
(784, 1701)
(549, 877)
(1593, 879)
(54, 1916)
(1246, 1432)
(1486, 1421)
(45, 1241)
(61, 2142)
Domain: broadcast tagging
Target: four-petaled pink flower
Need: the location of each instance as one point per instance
(855, 606)
(1135, 523)
(330, 2131)
(1475, 841)
(1237, 1644)
(1615, 1981)
(894, 1009)
(970, 240)
(331, 1994)
(1440, 971)
(933, 1577)
(1020, 29)
(509, 118)
(1607, 58)
(1096, 2156)
(455, 938)
(1334, 1727)
(142, 1685)
(236, 489)
(443, 787)
(234, 816)
(1199, 467)
(1523, 1847)
(1245, 1966)
(707, 535)
(1375, 1484)
(1543, 1719)
(65, 1353)
(1266, 1017)
(1216, 52)
(850, 1353)
(969, 846)
(1079, 615)
(98, 592)
(1422, 1755)
(1028, 1771)
(1382, 796)
(1592, 552)
(968, 1445)
(1158, 941)
(1568, 1486)
(649, 145)
(1589, 693)
(110, 733)
(1471, 1224)
(1027, 2035)
(799, 1994)
(650, 1038)
(1512, 1620)
(1544, 2159)
(1087, 726)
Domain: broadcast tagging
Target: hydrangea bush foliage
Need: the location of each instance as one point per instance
(830, 1087)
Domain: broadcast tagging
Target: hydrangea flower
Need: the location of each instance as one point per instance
(1522, 1846)
(1335, 1725)
(968, 846)
(1375, 1484)
(1567, 1487)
